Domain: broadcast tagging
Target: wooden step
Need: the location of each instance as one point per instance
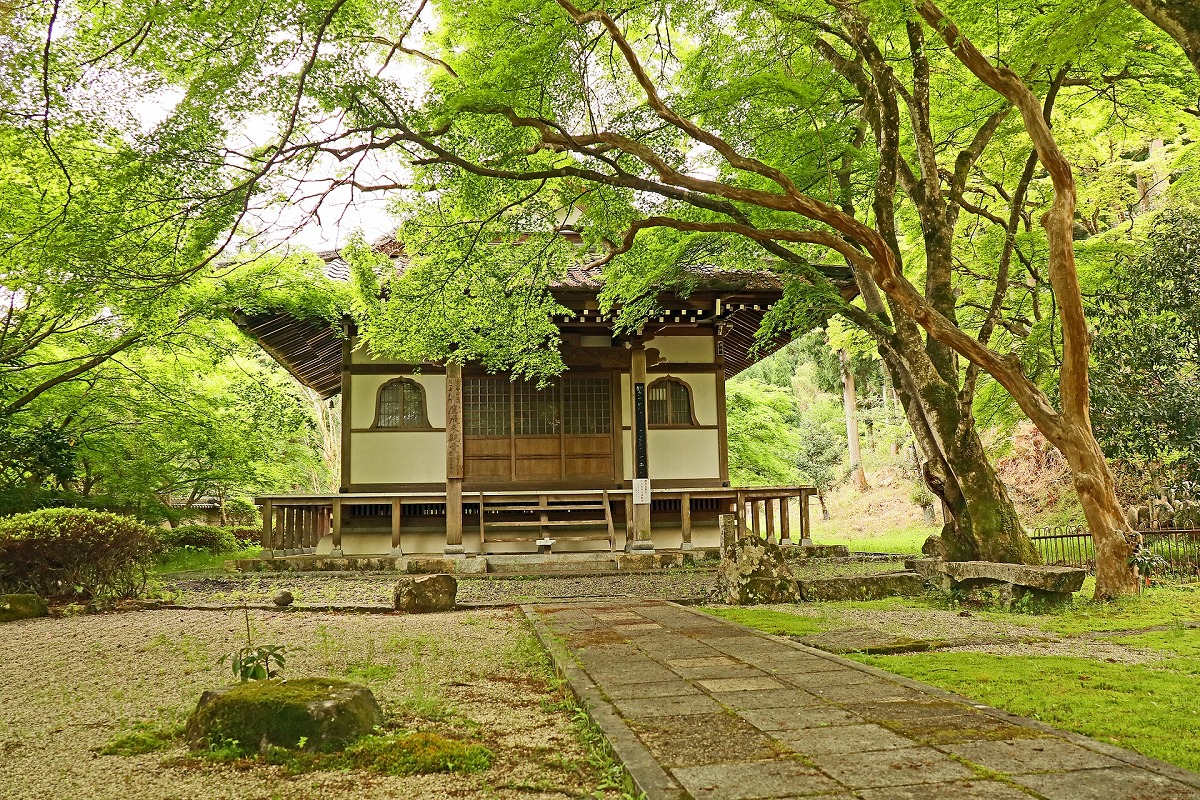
(489, 508)
(534, 523)
(575, 537)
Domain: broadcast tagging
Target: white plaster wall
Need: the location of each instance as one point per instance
(683, 453)
(678, 452)
(364, 393)
(398, 456)
(684, 349)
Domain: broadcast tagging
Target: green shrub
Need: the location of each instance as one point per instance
(246, 537)
(76, 554)
(199, 537)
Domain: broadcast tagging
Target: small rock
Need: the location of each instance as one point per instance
(965, 614)
(22, 606)
(422, 594)
(283, 599)
(934, 547)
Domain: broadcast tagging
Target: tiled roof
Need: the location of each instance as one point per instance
(577, 276)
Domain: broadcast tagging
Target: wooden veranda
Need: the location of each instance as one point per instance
(294, 524)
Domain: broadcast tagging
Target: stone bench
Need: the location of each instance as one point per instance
(1046, 583)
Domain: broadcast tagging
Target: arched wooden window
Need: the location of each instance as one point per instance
(401, 405)
(669, 404)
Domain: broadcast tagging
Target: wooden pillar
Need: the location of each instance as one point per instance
(755, 525)
(805, 525)
(685, 521)
(628, 523)
(740, 510)
(277, 531)
(769, 510)
(641, 459)
(337, 527)
(397, 551)
(785, 526)
(268, 540)
(454, 460)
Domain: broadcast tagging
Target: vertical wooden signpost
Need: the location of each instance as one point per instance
(454, 459)
(641, 460)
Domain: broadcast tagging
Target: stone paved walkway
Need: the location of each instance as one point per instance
(696, 706)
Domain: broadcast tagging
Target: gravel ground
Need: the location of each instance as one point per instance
(67, 686)
(314, 588)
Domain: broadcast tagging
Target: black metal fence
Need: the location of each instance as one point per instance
(1071, 545)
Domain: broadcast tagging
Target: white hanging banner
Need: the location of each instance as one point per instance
(641, 491)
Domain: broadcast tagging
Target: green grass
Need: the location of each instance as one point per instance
(144, 738)
(1159, 605)
(1151, 708)
(188, 560)
(779, 623)
(907, 539)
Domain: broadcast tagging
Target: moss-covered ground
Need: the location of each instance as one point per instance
(1146, 702)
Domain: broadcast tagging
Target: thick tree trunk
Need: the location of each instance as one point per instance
(1114, 540)
(1071, 429)
(1180, 19)
(984, 525)
(987, 528)
(981, 523)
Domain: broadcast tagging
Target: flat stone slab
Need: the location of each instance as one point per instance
(1121, 783)
(863, 587)
(898, 767)
(1057, 580)
(706, 709)
(864, 640)
(755, 779)
(1021, 756)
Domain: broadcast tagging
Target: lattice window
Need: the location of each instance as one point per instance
(486, 406)
(587, 404)
(669, 403)
(401, 405)
(535, 410)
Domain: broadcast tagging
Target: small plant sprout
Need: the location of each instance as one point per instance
(252, 663)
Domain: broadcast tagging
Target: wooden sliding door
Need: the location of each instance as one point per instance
(517, 433)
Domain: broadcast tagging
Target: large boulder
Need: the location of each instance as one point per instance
(308, 713)
(22, 606)
(421, 594)
(753, 570)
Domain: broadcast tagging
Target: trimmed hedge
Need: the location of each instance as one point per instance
(209, 538)
(68, 553)
(199, 537)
